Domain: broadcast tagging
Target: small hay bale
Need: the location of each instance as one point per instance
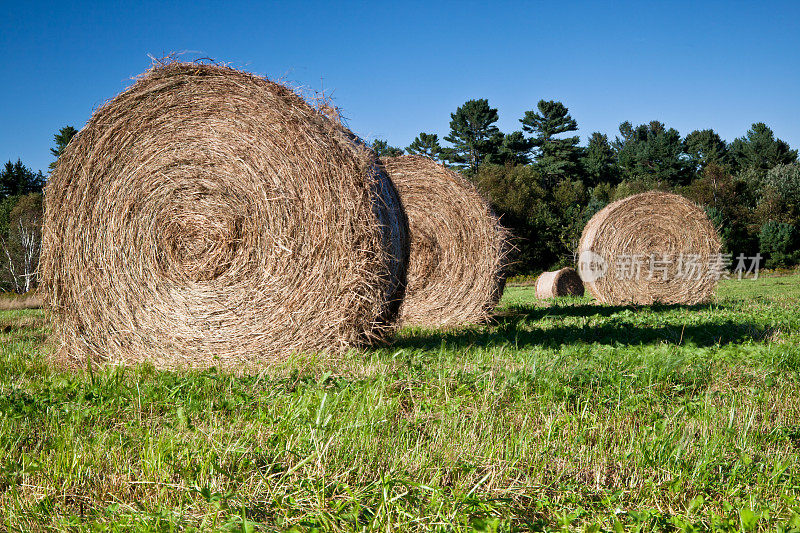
(459, 250)
(29, 300)
(564, 282)
(206, 216)
(648, 248)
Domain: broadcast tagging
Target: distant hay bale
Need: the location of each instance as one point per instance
(648, 248)
(564, 282)
(29, 300)
(206, 216)
(459, 250)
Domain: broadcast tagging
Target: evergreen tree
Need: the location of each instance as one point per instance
(382, 149)
(760, 150)
(426, 144)
(17, 179)
(62, 139)
(627, 135)
(556, 158)
(473, 135)
(704, 147)
(598, 162)
(514, 149)
(652, 154)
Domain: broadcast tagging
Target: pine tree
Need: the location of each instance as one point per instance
(514, 149)
(426, 144)
(473, 135)
(652, 154)
(382, 149)
(556, 158)
(704, 147)
(760, 150)
(62, 139)
(17, 179)
(598, 162)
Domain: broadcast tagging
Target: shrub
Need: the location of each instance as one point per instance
(779, 244)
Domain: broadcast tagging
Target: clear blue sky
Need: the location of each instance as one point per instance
(398, 69)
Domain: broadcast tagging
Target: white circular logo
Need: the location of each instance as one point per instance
(591, 266)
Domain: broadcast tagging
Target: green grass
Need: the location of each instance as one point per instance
(563, 415)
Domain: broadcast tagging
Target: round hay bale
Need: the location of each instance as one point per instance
(459, 250)
(648, 248)
(564, 282)
(206, 216)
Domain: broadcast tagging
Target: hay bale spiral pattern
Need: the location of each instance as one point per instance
(459, 250)
(207, 216)
(651, 247)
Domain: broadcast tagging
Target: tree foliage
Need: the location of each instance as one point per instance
(598, 162)
(542, 183)
(383, 149)
(779, 244)
(556, 158)
(17, 179)
(652, 154)
(473, 134)
(705, 147)
(760, 150)
(426, 144)
(62, 139)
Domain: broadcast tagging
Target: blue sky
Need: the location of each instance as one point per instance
(398, 69)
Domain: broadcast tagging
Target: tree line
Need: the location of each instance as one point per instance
(546, 186)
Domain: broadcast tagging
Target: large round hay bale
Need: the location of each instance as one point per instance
(459, 250)
(564, 282)
(207, 216)
(648, 248)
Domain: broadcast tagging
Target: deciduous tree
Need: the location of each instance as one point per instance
(21, 242)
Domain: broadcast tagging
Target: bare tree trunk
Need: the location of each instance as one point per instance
(22, 269)
(30, 240)
(10, 266)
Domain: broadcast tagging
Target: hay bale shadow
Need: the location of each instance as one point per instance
(518, 327)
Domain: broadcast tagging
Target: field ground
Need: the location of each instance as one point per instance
(562, 416)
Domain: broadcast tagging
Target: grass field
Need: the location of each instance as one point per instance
(563, 416)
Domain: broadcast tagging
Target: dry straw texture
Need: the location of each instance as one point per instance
(206, 216)
(459, 249)
(564, 282)
(657, 247)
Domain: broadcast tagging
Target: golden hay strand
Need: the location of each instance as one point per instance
(564, 282)
(459, 249)
(206, 216)
(665, 235)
